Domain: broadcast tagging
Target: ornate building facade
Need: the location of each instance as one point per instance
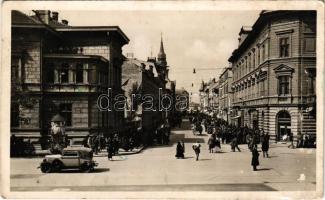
(274, 73)
(62, 69)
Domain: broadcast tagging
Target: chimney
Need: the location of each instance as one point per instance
(244, 32)
(65, 22)
(44, 15)
(55, 16)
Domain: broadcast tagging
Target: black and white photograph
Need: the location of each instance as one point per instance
(162, 101)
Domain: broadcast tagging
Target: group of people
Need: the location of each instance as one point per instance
(214, 144)
(305, 141)
(223, 133)
(19, 147)
(162, 134)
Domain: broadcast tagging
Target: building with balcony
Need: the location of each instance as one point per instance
(274, 72)
(62, 69)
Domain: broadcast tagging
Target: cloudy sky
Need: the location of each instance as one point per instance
(192, 39)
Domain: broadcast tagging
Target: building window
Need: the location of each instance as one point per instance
(253, 60)
(310, 45)
(66, 113)
(284, 83)
(258, 56)
(249, 62)
(262, 88)
(311, 85)
(14, 115)
(64, 73)
(79, 73)
(263, 52)
(92, 76)
(311, 75)
(15, 69)
(284, 47)
(50, 73)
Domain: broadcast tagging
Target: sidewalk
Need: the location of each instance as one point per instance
(103, 153)
(122, 152)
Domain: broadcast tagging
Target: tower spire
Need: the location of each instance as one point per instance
(161, 54)
(161, 44)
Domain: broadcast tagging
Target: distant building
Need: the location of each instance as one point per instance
(62, 69)
(141, 78)
(274, 73)
(148, 78)
(182, 97)
(209, 96)
(225, 94)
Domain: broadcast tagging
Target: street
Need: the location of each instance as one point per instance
(156, 169)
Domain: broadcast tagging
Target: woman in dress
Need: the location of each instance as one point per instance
(255, 161)
(179, 151)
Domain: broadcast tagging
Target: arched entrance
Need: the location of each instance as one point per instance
(283, 120)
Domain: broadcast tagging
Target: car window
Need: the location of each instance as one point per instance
(70, 153)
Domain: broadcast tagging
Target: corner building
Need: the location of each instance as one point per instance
(62, 69)
(274, 73)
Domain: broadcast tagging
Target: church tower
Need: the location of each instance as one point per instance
(161, 55)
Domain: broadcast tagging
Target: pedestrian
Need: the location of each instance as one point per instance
(199, 128)
(299, 140)
(116, 144)
(234, 144)
(255, 161)
(110, 149)
(211, 143)
(196, 147)
(217, 148)
(292, 146)
(179, 151)
(265, 144)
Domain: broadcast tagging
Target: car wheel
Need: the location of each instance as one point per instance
(46, 167)
(86, 168)
(57, 166)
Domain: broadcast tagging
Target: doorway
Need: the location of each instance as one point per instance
(283, 125)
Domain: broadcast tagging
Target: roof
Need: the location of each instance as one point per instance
(147, 65)
(93, 28)
(264, 18)
(20, 19)
(76, 56)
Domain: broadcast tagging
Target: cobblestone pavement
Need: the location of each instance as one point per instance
(157, 169)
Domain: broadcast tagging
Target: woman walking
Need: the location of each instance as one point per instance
(196, 147)
(211, 143)
(265, 144)
(110, 149)
(179, 150)
(255, 161)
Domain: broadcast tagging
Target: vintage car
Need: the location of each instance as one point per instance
(71, 157)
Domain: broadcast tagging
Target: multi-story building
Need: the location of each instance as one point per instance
(274, 71)
(62, 69)
(142, 79)
(209, 96)
(204, 97)
(225, 94)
